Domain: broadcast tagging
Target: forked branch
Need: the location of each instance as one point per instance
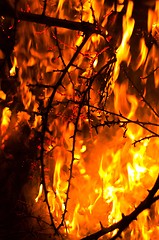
(45, 116)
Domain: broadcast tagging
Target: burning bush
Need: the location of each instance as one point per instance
(79, 119)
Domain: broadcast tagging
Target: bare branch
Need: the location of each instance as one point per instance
(43, 133)
(151, 73)
(88, 28)
(127, 219)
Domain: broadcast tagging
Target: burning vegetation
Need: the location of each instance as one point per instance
(79, 126)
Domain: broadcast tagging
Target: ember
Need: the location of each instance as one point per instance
(79, 117)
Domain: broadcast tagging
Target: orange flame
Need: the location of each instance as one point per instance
(123, 52)
(6, 114)
(110, 176)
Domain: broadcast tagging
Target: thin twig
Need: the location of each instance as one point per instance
(71, 165)
(60, 52)
(45, 117)
(44, 8)
(140, 94)
(126, 121)
(152, 72)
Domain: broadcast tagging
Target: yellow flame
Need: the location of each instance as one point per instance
(123, 51)
(2, 95)
(143, 53)
(150, 20)
(6, 115)
(13, 69)
(40, 193)
(109, 175)
(124, 103)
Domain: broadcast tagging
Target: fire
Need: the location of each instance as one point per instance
(98, 146)
(40, 193)
(6, 114)
(13, 69)
(153, 19)
(2, 95)
(124, 103)
(123, 52)
(143, 54)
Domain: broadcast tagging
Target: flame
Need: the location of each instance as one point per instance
(153, 20)
(2, 95)
(107, 176)
(6, 115)
(123, 51)
(142, 55)
(40, 193)
(150, 20)
(13, 69)
(124, 103)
